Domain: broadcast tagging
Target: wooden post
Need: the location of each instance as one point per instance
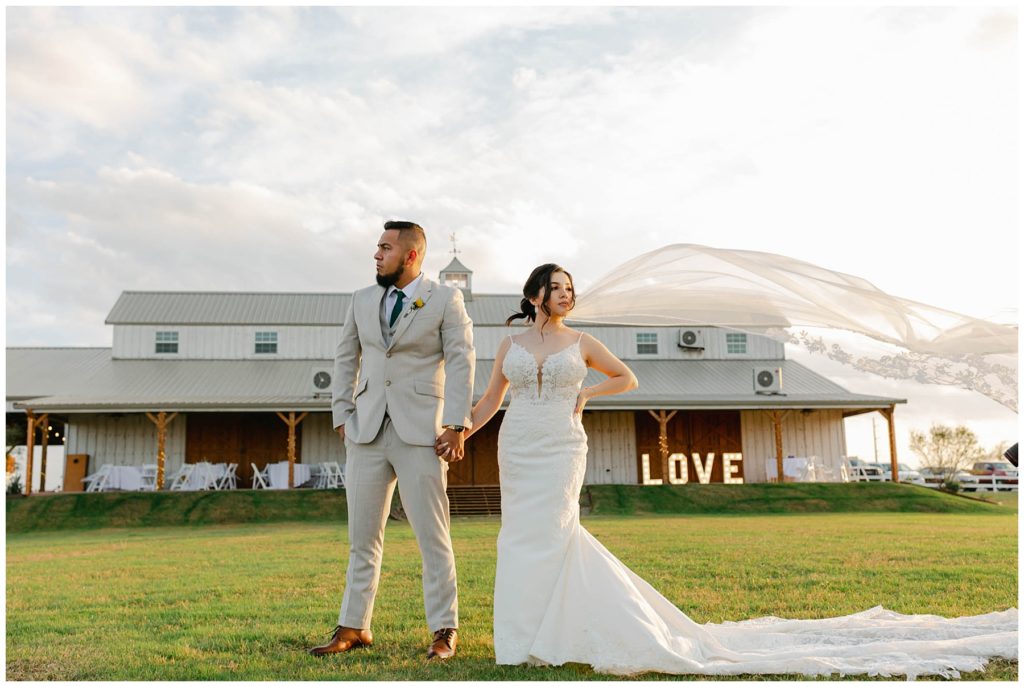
(43, 423)
(292, 423)
(161, 420)
(888, 413)
(662, 419)
(777, 423)
(30, 439)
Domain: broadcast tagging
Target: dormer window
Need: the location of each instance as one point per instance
(167, 342)
(647, 343)
(735, 343)
(266, 342)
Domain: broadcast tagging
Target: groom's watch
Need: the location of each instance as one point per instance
(455, 428)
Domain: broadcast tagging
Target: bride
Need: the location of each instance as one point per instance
(560, 596)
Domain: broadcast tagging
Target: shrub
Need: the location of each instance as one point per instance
(14, 486)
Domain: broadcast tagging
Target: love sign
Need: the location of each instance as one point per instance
(679, 474)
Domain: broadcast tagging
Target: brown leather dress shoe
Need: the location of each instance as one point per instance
(344, 639)
(443, 647)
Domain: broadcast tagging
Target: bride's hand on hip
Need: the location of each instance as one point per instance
(581, 400)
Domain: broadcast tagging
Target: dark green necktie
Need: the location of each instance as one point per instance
(399, 296)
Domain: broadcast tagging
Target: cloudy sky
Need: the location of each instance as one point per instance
(239, 149)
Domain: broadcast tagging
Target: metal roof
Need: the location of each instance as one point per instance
(492, 309)
(33, 372)
(298, 309)
(456, 266)
(94, 382)
(137, 385)
(730, 384)
(241, 308)
(212, 307)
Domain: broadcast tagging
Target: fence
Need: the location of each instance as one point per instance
(980, 483)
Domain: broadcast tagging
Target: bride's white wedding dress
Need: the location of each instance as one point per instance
(561, 597)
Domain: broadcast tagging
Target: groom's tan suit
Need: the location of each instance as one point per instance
(394, 388)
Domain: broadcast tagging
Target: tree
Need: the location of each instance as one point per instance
(996, 454)
(15, 435)
(947, 449)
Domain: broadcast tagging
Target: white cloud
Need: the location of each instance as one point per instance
(187, 148)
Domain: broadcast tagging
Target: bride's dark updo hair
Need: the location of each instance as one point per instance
(540, 280)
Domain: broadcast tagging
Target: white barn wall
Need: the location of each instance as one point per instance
(319, 343)
(320, 443)
(611, 447)
(818, 433)
(622, 342)
(128, 439)
(226, 342)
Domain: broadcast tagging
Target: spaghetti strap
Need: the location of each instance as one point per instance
(581, 337)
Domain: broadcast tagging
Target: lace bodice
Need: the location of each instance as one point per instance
(558, 377)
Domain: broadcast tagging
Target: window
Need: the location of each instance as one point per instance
(266, 342)
(459, 279)
(167, 342)
(646, 343)
(735, 343)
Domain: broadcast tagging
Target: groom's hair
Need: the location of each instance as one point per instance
(410, 235)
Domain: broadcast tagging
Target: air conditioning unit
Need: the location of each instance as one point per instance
(691, 339)
(320, 379)
(768, 380)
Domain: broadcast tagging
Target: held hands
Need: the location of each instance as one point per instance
(450, 446)
(341, 433)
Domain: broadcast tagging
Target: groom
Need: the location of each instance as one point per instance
(403, 379)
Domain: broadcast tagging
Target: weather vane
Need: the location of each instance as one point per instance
(455, 251)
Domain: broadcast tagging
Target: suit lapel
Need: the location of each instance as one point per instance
(425, 290)
(378, 298)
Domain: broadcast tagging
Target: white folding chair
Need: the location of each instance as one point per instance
(97, 481)
(180, 480)
(228, 479)
(335, 477)
(149, 478)
(257, 478)
(326, 478)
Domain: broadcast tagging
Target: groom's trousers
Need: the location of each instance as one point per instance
(370, 474)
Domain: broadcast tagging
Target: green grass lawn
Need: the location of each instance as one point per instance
(1006, 499)
(244, 601)
(146, 509)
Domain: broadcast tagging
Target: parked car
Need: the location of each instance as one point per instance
(862, 471)
(907, 473)
(937, 476)
(995, 468)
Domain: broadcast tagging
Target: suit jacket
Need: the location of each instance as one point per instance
(424, 378)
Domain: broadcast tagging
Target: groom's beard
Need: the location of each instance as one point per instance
(387, 280)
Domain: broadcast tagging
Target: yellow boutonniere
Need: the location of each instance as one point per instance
(417, 304)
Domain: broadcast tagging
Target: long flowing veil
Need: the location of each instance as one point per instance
(840, 315)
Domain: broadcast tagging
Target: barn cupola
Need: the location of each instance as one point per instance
(457, 274)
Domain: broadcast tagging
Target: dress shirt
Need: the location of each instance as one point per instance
(409, 290)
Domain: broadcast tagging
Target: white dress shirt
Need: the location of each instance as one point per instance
(409, 290)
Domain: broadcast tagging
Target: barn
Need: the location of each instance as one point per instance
(230, 371)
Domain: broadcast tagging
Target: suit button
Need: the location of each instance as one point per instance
(387, 383)
(389, 355)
